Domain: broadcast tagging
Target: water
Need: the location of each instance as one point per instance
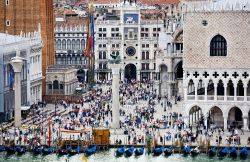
(108, 156)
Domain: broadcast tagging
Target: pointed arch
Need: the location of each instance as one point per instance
(218, 46)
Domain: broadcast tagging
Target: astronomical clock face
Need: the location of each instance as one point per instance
(130, 51)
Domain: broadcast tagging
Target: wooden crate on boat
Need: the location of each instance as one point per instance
(101, 136)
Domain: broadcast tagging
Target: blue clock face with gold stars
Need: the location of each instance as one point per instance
(130, 51)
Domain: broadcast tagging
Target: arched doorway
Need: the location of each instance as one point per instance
(80, 75)
(235, 118)
(220, 88)
(163, 80)
(178, 78)
(179, 71)
(215, 118)
(196, 116)
(249, 120)
(55, 87)
(130, 72)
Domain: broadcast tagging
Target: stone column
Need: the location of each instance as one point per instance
(225, 93)
(185, 93)
(115, 95)
(205, 98)
(245, 125)
(215, 92)
(195, 92)
(17, 63)
(235, 92)
(205, 122)
(225, 122)
(86, 76)
(245, 93)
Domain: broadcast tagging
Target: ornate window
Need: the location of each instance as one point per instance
(77, 44)
(218, 46)
(63, 44)
(58, 44)
(68, 44)
(83, 44)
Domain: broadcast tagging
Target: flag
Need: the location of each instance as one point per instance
(93, 33)
(90, 37)
(11, 78)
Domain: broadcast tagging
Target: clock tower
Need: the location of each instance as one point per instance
(130, 20)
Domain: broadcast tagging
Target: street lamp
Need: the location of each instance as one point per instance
(55, 107)
(17, 63)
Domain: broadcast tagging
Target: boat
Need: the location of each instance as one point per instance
(90, 150)
(20, 150)
(233, 153)
(74, 151)
(38, 150)
(186, 150)
(195, 151)
(10, 150)
(223, 152)
(139, 151)
(158, 151)
(2, 148)
(120, 151)
(129, 151)
(243, 153)
(212, 151)
(48, 150)
(168, 151)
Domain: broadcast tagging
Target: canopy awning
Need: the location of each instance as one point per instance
(75, 131)
(24, 108)
(78, 88)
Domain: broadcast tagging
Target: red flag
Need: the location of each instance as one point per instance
(49, 133)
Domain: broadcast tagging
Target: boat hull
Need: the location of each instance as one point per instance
(139, 151)
(158, 151)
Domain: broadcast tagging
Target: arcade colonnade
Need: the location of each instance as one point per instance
(221, 115)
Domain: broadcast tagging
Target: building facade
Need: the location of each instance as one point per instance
(216, 66)
(70, 43)
(24, 16)
(61, 80)
(148, 44)
(29, 47)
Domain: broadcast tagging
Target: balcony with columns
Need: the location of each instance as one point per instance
(217, 89)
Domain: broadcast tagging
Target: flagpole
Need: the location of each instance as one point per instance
(90, 46)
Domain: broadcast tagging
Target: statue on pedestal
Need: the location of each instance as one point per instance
(115, 59)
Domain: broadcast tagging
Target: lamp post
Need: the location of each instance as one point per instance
(55, 108)
(17, 63)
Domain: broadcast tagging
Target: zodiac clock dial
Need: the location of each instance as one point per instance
(130, 51)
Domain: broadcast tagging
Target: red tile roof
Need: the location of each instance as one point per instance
(146, 2)
(159, 2)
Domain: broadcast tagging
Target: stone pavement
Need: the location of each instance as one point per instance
(119, 134)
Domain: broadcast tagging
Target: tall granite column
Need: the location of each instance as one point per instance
(17, 63)
(115, 95)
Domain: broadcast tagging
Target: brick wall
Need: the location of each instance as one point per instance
(25, 15)
(234, 26)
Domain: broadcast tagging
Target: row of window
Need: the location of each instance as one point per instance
(112, 45)
(71, 60)
(130, 35)
(70, 45)
(105, 29)
(103, 54)
(34, 59)
(154, 29)
(117, 29)
(144, 66)
(147, 45)
(73, 35)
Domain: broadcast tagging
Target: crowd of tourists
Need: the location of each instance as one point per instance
(139, 117)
